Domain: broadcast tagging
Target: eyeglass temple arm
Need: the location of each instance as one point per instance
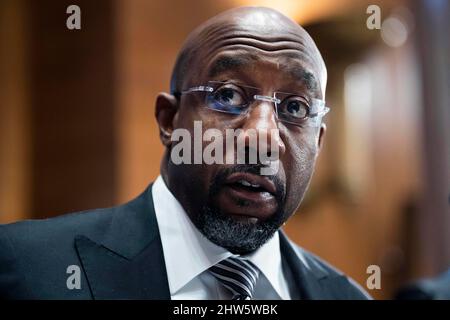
(321, 112)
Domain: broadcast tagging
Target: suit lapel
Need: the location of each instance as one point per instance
(313, 282)
(126, 261)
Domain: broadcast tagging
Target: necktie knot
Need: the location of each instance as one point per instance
(237, 275)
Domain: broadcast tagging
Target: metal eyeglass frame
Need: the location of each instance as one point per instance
(319, 109)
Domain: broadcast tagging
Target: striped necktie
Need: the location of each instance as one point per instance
(237, 275)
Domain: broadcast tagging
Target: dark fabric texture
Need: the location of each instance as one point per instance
(119, 254)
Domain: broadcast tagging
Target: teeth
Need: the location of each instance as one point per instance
(248, 184)
(245, 183)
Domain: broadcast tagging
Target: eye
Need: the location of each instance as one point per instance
(228, 96)
(295, 107)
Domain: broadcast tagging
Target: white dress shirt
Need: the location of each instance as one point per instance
(188, 255)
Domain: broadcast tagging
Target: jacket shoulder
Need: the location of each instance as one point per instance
(339, 285)
(35, 255)
(91, 223)
(48, 232)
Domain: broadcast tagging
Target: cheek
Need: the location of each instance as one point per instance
(302, 151)
(301, 158)
(304, 157)
(185, 117)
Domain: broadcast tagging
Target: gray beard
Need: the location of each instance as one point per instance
(238, 237)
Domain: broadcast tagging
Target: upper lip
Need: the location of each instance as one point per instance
(263, 182)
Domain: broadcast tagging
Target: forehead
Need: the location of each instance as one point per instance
(232, 50)
(280, 69)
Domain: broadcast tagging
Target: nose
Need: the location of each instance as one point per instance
(262, 121)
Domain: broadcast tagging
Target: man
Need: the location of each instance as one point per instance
(208, 229)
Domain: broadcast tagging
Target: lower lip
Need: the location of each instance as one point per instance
(235, 200)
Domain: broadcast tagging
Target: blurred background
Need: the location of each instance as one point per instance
(77, 128)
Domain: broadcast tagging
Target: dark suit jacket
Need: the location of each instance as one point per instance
(437, 288)
(119, 253)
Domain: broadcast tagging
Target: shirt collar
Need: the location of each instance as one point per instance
(187, 253)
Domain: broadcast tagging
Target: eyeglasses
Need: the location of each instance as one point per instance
(235, 99)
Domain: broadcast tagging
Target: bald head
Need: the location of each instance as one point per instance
(264, 29)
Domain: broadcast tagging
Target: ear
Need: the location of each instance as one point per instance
(165, 110)
(323, 130)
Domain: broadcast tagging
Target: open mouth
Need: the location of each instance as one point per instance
(248, 186)
(251, 183)
(247, 194)
(247, 190)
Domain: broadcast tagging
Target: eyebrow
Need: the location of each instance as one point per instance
(304, 76)
(226, 63)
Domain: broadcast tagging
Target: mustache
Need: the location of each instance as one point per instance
(222, 175)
